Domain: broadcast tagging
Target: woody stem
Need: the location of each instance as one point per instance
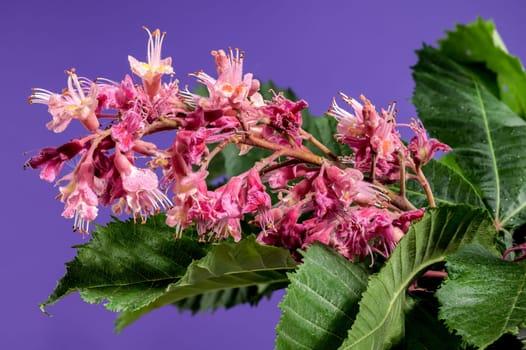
(307, 157)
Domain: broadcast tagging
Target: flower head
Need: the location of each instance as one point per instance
(151, 72)
(422, 147)
(124, 132)
(51, 159)
(79, 197)
(142, 194)
(77, 101)
(112, 95)
(231, 88)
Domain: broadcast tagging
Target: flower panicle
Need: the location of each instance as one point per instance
(294, 196)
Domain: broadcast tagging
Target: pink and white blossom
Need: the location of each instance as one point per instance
(423, 149)
(77, 101)
(141, 186)
(151, 71)
(80, 198)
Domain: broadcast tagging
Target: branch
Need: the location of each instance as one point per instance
(307, 157)
(162, 124)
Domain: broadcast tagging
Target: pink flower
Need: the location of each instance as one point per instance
(286, 231)
(169, 101)
(349, 187)
(78, 101)
(257, 198)
(80, 198)
(422, 148)
(191, 145)
(404, 220)
(228, 210)
(285, 119)
(371, 136)
(280, 177)
(231, 88)
(124, 132)
(112, 95)
(142, 194)
(378, 232)
(324, 199)
(51, 159)
(351, 127)
(151, 72)
(191, 199)
(385, 140)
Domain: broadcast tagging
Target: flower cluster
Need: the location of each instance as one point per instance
(293, 197)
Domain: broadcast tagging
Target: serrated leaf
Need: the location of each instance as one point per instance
(423, 329)
(480, 43)
(128, 264)
(228, 298)
(448, 187)
(380, 320)
(488, 139)
(321, 301)
(226, 266)
(484, 296)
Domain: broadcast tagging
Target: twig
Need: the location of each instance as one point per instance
(311, 158)
(161, 125)
(278, 166)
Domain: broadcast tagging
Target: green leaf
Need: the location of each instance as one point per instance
(321, 301)
(216, 169)
(447, 185)
(228, 298)
(236, 164)
(381, 318)
(479, 44)
(484, 296)
(266, 89)
(423, 328)
(488, 139)
(226, 266)
(127, 264)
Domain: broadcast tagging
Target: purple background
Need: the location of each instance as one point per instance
(351, 46)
